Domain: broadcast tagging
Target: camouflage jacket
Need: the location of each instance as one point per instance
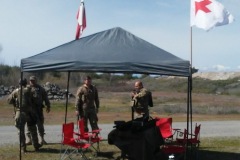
(39, 96)
(15, 97)
(142, 99)
(87, 98)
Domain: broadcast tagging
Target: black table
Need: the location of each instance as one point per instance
(137, 139)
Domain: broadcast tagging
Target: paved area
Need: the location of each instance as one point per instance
(8, 134)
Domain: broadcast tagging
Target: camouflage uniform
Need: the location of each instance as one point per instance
(39, 96)
(25, 116)
(87, 104)
(142, 100)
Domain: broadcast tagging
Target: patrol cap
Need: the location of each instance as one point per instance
(22, 82)
(32, 78)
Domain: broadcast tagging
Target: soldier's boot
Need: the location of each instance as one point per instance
(42, 140)
(28, 139)
(23, 149)
(34, 135)
(36, 145)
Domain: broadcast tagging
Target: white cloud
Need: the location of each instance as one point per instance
(220, 67)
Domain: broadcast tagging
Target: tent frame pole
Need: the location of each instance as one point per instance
(67, 93)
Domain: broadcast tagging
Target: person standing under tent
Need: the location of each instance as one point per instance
(87, 104)
(39, 96)
(142, 99)
(25, 115)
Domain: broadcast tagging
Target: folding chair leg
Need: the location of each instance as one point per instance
(68, 153)
(96, 149)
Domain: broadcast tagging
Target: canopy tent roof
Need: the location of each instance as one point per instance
(112, 51)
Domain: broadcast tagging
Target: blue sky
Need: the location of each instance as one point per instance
(29, 27)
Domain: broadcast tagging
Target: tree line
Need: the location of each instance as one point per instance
(10, 75)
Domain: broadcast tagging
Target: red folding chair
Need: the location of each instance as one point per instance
(92, 137)
(193, 139)
(165, 127)
(171, 149)
(72, 146)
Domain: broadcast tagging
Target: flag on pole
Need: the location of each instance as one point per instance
(207, 14)
(81, 19)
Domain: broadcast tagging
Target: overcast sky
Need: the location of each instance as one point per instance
(29, 27)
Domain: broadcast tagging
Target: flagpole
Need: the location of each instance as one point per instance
(191, 47)
(191, 65)
(189, 107)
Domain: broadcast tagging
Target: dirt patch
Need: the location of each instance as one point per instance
(116, 106)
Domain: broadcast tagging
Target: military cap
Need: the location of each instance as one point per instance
(23, 81)
(33, 78)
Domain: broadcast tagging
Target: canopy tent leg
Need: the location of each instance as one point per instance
(20, 130)
(66, 105)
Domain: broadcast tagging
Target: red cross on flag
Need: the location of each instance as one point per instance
(207, 14)
(81, 19)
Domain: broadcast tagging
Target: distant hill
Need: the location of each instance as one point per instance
(216, 75)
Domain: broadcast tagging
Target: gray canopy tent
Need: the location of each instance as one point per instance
(110, 51)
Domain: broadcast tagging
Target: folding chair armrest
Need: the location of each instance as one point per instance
(176, 130)
(75, 133)
(96, 131)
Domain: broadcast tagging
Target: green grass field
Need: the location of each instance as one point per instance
(210, 149)
(207, 107)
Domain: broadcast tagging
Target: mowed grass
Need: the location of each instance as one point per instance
(210, 148)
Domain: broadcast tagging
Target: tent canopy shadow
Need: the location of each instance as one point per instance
(210, 155)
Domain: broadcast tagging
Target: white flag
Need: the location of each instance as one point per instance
(207, 14)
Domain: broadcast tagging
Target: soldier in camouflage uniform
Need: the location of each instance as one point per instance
(87, 104)
(25, 115)
(142, 100)
(39, 96)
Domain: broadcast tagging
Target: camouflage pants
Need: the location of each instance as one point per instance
(141, 112)
(26, 118)
(39, 123)
(90, 115)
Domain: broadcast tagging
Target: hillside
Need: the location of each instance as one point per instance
(216, 75)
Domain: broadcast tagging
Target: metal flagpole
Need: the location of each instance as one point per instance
(189, 97)
(191, 81)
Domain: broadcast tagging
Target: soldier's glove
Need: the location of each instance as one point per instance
(48, 109)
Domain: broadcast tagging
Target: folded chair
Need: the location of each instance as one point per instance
(72, 147)
(92, 137)
(193, 140)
